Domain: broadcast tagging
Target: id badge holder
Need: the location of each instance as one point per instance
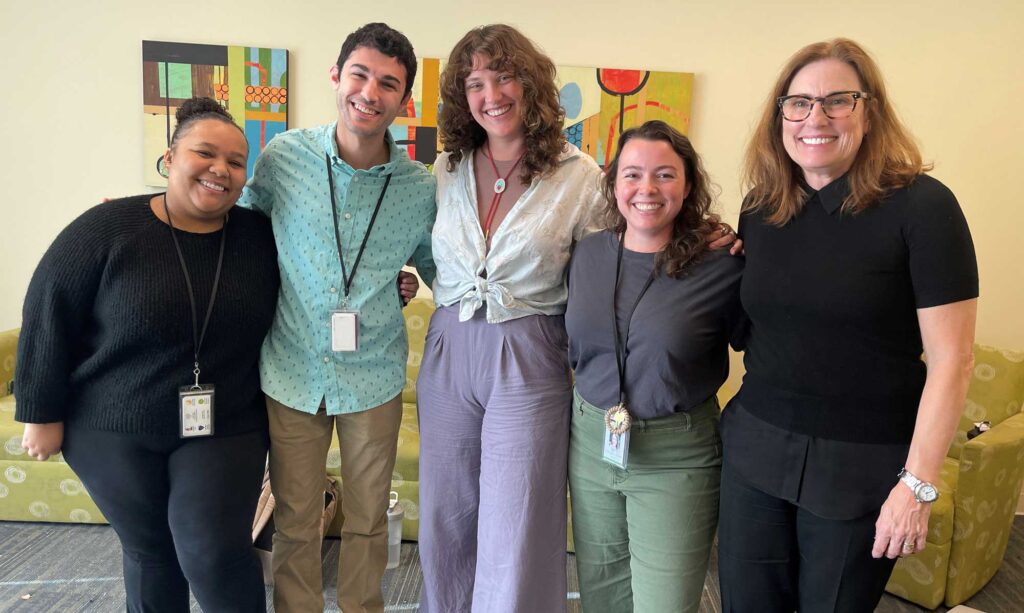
(195, 410)
(615, 450)
(344, 330)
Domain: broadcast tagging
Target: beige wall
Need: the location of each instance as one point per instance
(71, 92)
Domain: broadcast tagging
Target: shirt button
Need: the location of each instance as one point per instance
(326, 360)
(348, 215)
(334, 290)
(355, 179)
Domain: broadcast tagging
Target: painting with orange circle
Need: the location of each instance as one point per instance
(599, 103)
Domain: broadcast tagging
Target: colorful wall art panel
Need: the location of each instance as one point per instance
(599, 104)
(250, 82)
(415, 129)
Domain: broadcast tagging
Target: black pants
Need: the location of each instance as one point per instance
(777, 557)
(183, 510)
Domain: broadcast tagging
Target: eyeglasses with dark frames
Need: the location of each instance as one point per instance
(837, 105)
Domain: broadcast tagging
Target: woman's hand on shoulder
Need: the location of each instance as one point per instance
(43, 440)
(723, 236)
(902, 525)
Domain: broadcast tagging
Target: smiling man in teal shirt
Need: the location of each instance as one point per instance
(349, 209)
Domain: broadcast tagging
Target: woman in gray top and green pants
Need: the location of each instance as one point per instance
(651, 311)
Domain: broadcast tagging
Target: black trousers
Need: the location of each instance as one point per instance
(183, 510)
(776, 557)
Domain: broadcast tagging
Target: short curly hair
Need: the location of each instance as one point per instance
(387, 40)
(509, 50)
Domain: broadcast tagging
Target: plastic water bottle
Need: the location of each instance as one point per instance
(395, 516)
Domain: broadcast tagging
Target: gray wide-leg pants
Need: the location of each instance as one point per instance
(494, 402)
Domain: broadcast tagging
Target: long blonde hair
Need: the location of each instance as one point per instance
(888, 157)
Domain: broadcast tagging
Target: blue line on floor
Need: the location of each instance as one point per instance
(61, 581)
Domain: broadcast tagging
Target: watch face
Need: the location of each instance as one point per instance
(927, 493)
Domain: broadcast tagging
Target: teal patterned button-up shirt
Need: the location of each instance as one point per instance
(290, 185)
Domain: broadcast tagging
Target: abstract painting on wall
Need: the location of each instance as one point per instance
(599, 104)
(250, 82)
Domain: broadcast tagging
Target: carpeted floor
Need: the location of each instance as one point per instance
(76, 568)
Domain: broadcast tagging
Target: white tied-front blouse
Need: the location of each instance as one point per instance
(526, 266)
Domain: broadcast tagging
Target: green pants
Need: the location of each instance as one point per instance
(643, 535)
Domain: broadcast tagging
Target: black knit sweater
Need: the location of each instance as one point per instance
(106, 337)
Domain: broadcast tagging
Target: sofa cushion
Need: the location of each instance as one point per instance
(417, 319)
(44, 491)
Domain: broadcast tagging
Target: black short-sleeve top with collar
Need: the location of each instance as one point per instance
(835, 347)
(833, 360)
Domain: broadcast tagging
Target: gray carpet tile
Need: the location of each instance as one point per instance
(77, 568)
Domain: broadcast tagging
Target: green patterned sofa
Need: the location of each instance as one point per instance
(50, 491)
(31, 490)
(979, 491)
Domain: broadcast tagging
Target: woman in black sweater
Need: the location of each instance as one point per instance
(138, 358)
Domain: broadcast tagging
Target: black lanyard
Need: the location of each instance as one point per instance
(620, 342)
(197, 335)
(337, 233)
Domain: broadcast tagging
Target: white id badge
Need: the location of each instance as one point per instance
(344, 330)
(616, 448)
(195, 410)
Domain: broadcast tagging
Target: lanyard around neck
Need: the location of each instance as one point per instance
(346, 279)
(620, 342)
(198, 335)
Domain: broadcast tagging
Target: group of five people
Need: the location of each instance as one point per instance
(581, 335)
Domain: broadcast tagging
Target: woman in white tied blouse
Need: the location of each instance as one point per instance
(494, 389)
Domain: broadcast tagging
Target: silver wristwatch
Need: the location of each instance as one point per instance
(923, 491)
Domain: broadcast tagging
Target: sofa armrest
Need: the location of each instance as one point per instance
(991, 472)
(994, 457)
(8, 351)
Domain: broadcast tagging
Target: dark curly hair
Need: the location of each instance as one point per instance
(387, 40)
(695, 221)
(198, 109)
(508, 50)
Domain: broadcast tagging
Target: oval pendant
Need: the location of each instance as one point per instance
(499, 186)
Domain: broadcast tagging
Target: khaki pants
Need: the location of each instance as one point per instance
(298, 454)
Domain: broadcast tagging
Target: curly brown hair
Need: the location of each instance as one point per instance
(888, 157)
(507, 50)
(695, 221)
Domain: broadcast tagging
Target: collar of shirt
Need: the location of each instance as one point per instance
(831, 196)
(330, 144)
